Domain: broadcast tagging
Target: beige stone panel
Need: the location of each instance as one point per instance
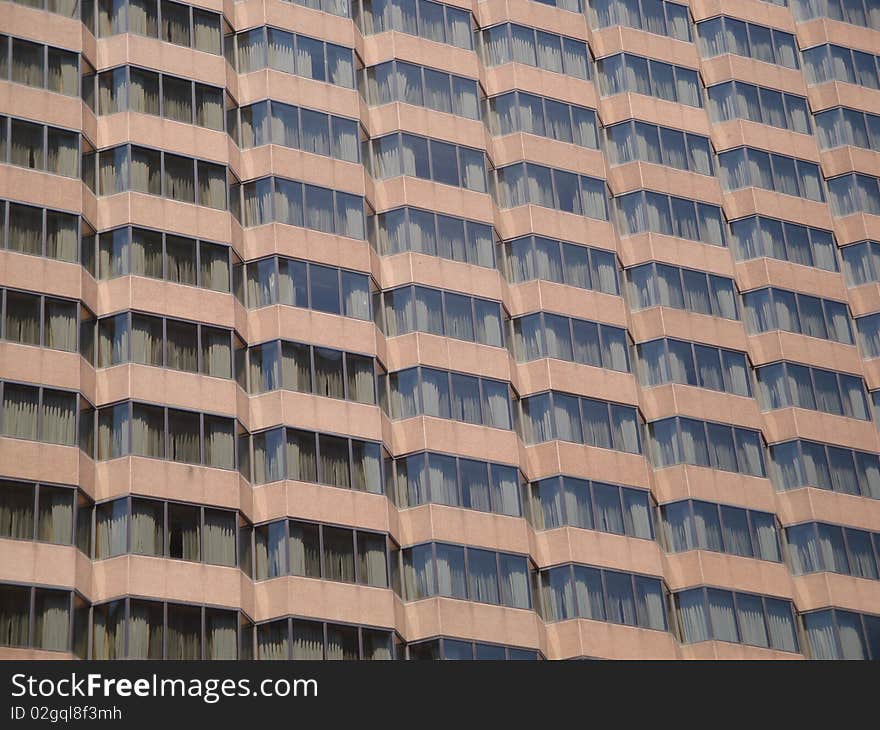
(750, 10)
(663, 401)
(761, 272)
(629, 105)
(856, 227)
(571, 301)
(509, 76)
(516, 146)
(31, 23)
(468, 620)
(871, 370)
(166, 57)
(8, 653)
(164, 479)
(327, 415)
(304, 243)
(842, 160)
(307, 325)
(440, 523)
(442, 273)
(825, 30)
(558, 457)
(703, 567)
(569, 377)
(602, 549)
(720, 650)
(821, 590)
(419, 348)
(301, 19)
(543, 17)
(643, 247)
(748, 201)
(649, 324)
(320, 599)
(453, 437)
(403, 190)
(788, 423)
(526, 219)
(174, 388)
(38, 461)
(28, 102)
(184, 218)
(54, 368)
(779, 345)
(320, 503)
(165, 579)
(838, 93)
(405, 47)
(27, 561)
(729, 66)
(387, 118)
(617, 38)
(739, 132)
(41, 188)
(637, 175)
(165, 298)
(812, 504)
(306, 167)
(297, 90)
(684, 481)
(176, 137)
(608, 641)
(38, 274)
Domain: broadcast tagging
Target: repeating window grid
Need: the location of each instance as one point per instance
(858, 67)
(367, 24)
(842, 126)
(775, 36)
(75, 497)
(434, 586)
(755, 326)
(618, 154)
(518, 350)
(490, 55)
(678, 72)
(634, 304)
(464, 503)
(486, 418)
(774, 230)
(732, 181)
(861, 262)
(847, 410)
(854, 12)
(124, 104)
(791, 103)
(606, 593)
(6, 385)
(735, 616)
(499, 190)
(737, 436)
(666, 540)
(166, 266)
(676, 23)
(860, 463)
(849, 553)
(588, 486)
(705, 233)
(7, 48)
(840, 646)
(318, 438)
(6, 215)
(44, 299)
(667, 376)
(490, 117)
(48, 132)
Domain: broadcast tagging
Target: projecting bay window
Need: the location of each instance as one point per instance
(435, 478)
(40, 66)
(662, 285)
(536, 257)
(430, 20)
(142, 526)
(510, 42)
(317, 458)
(130, 168)
(39, 320)
(38, 618)
(281, 364)
(43, 512)
(43, 232)
(39, 147)
(680, 440)
(527, 183)
(422, 391)
(164, 342)
(463, 572)
(757, 236)
(422, 231)
(802, 463)
(141, 429)
(297, 638)
(133, 628)
(438, 312)
(37, 413)
(313, 550)
(580, 591)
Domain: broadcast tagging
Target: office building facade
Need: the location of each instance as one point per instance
(373, 329)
